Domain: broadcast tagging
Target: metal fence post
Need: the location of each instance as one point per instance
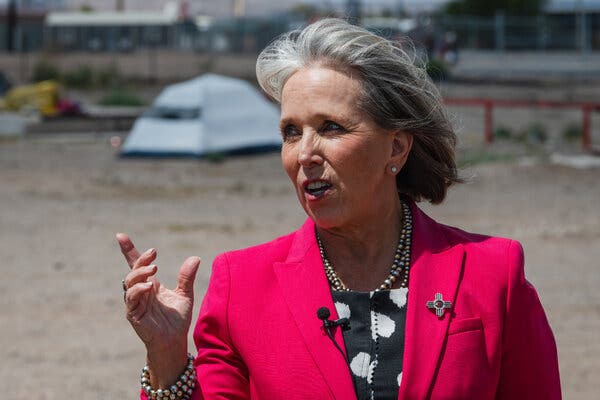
(489, 121)
(499, 31)
(586, 131)
(542, 32)
(584, 38)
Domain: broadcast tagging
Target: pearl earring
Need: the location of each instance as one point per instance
(394, 169)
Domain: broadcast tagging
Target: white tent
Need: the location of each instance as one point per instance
(210, 114)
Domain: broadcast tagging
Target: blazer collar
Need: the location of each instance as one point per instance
(306, 289)
(436, 267)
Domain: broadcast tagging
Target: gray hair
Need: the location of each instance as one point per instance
(397, 94)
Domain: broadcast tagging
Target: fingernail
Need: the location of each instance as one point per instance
(148, 284)
(150, 251)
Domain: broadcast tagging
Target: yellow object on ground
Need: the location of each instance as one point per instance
(41, 97)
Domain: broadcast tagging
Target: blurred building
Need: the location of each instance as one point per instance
(42, 4)
(117, 30)
(212, 8)
(27, 25)
(175, 27)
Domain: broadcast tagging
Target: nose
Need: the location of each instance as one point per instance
(309, 154)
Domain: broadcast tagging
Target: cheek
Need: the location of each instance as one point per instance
(360, 162)
(289, 162)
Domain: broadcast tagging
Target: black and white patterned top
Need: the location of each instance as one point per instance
(375, 341)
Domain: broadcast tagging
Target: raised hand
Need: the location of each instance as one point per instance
(160, 316)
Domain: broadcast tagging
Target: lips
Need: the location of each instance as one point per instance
(316, 188)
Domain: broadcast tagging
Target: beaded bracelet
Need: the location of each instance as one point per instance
(181, 390)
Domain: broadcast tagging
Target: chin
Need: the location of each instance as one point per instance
(324, 215)
(323, 219)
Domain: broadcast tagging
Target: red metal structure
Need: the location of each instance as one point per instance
(489, 104)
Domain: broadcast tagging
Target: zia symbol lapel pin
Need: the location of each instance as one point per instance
(439, 305)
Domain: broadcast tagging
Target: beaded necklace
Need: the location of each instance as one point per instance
(400, 266)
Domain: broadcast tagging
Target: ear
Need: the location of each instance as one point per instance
(401, 145)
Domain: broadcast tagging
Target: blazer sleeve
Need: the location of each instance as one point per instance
(221, 371)
(529, 358)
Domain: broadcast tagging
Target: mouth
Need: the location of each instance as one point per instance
(316, 188)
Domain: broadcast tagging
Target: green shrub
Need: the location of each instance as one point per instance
(207, 65)
(215, 158)
(534, 134)
(437, 70)
(44, 70)
(81, 77)
(502, 133)
(477, 157)
(107, 76)
(122, 97)
(572, 133)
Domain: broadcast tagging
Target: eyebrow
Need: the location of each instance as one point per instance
(321, 116)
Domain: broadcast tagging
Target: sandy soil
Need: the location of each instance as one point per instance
(62, 330)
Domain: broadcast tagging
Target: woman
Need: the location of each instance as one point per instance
(434, 312)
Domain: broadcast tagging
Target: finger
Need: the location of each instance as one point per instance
(127, 248)
(145, 259)
(137, 314)
(134, 294)
(140, 275)
(187, 275)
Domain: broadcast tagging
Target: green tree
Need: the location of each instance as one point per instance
(490, 7)
(387, 13)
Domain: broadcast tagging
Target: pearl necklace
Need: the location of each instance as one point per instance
(399, 269)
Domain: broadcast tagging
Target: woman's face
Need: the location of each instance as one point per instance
(337, 158)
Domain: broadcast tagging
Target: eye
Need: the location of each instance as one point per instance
(290, 131)
(330, 126)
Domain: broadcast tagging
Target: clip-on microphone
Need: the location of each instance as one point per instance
(324, 314)
(329, 326)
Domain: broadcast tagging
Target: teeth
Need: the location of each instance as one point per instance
(316, 185)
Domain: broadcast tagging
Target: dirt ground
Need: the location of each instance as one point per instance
(62, 198)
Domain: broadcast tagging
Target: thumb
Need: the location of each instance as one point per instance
(187, 275)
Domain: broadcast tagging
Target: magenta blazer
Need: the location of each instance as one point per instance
(258, 335)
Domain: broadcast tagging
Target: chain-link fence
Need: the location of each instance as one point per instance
(574, 31)
(545, 32)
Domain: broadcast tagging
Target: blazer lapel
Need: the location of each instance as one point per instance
(306, 289)
(436, 267)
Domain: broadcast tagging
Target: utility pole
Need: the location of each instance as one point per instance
(120, 5)
(400, 9)
(11, 25)
(353, 11)
(583, 27)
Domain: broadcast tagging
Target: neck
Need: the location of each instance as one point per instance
(362, 254)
